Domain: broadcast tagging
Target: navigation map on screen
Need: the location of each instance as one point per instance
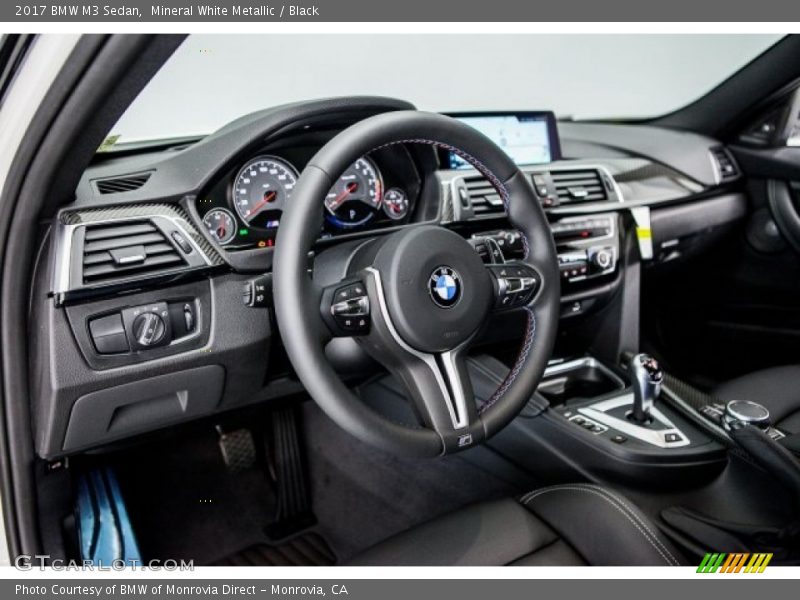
(526, 139)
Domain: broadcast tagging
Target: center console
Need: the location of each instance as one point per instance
(626, 415)
(588, 411)
(588, 415)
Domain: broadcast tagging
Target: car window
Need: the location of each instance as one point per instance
(213, 79)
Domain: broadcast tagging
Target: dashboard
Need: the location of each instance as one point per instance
(180, 236)
(224, 195)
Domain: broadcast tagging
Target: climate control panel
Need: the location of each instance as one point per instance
(585, 263)
(588, 247)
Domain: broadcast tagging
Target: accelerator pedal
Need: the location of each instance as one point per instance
(105, 534)
(293, 512)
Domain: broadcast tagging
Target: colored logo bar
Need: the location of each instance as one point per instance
(735, 562)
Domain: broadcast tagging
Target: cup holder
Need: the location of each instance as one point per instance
(580, 379)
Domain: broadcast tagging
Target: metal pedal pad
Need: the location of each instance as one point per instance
(237, 448)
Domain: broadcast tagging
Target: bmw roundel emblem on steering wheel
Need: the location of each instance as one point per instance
(445, 287)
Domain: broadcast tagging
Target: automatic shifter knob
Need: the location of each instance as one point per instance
(646, 378)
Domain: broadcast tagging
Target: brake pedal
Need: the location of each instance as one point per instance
(237, 448)
(294, 511)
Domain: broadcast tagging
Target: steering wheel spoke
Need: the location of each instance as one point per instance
(515, 285)
(440, 390)
(437, 383)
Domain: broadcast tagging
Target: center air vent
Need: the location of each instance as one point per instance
(125, 250)
(484, 198)
(726, 166)
(117, 185)
(580, 185)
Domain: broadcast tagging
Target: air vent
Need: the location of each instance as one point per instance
(125, 250)
(726, 166)
(117, 185)
(579, 185)
(484, 198)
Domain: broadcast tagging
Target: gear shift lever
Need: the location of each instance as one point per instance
(646, 378)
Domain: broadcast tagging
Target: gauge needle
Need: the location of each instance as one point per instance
(268, 197)
(348, 189)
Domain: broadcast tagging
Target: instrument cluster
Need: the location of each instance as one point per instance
(244, 209)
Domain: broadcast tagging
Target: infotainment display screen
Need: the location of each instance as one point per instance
(529, 138)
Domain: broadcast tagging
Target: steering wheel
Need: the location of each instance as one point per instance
(783, 206)
(417, 298)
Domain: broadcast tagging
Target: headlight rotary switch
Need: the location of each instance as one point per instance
(149, 329)
(148, 326)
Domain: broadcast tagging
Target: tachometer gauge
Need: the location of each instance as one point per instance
(261, 189)
(395, 203)
(221, 224)
(356, 196)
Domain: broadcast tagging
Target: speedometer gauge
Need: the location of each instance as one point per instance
(221, 224)
(356, 196)
(261, 189)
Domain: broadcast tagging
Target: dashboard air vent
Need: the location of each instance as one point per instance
(579, 185)
(484, 198)
(124, 250)
(117, 185)
(726, 166)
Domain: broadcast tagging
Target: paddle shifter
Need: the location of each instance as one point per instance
(646, 378)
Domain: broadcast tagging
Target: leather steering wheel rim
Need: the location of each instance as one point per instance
(297, 298)
(784, 210)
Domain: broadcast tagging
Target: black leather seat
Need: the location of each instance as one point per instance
(778, 389)
(574, 524)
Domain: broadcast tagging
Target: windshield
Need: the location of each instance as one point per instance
(213, 79)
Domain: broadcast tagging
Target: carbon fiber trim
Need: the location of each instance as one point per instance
(646, 171)
(689, 394)
(120, 213)
(170, 219)
(447, 213)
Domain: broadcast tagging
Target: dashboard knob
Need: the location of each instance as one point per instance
(149, 328)
(745, 412)
(602, 258)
